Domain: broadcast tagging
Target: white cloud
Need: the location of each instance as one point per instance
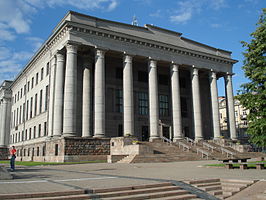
(4, 52)
(216, 25)
(186, 9)
(112, 5)
(157, 13)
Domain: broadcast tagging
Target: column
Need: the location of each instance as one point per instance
(196, 104)
(128, 96)
(153, 100)
(99, 94)
(59, 94)
(230, 106)
(176, 102)
(215, 106)
(2, 123)
(51, 98)
(86, 101)
(70, 91)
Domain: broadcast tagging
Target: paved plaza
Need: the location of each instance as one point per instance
(104, 175)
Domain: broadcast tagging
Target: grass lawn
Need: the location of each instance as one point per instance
(237, 165)
(29, 163)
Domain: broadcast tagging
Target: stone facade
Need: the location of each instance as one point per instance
(98, 78)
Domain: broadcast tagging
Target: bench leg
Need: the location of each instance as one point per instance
(229, 166)
(260, 166)
(243, 166)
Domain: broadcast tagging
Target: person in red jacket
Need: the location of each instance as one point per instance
(13, 157)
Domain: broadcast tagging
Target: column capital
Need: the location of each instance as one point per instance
(71, 48)
(99, 52)
(213, 74)
(152, 62)
(127, 57)
(195, 70)
(60, 56)
(174, 67)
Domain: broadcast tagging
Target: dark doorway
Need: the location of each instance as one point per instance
(120, 130)
(186, 130)
(145, 133)
(166, 132)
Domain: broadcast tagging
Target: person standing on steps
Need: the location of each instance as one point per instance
(13, 157)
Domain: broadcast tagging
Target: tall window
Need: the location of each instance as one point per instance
(27, 110)
(28, 86)
(25, 89)
(31, 102)
(47, 69)
(23, 115)
(35, 104)
(20, 113)
(32, 82)
(37, 78)
(45, 129)
(21, 92)
(40, 104)
(143, 103)
(119, 100)
(42, 74)
(40, 130)
(30, 134)
(34, 132)
(163, 105)
(22, 136)
(46, 97)
(26, 134)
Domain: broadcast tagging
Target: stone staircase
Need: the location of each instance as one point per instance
(221, 188)
(164, 191)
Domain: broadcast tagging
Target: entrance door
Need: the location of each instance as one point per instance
(145, 133)
(166, 132)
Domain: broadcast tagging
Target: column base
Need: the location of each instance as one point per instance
(99, 136)
(69, 134)
(154, 138)
(177, 139)
(197, 139)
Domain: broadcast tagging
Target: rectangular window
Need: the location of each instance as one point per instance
(31, 102)
(35, 104)
(20, 113)
(28, 86)
(24, 152)
(32, 151)
(21, 92)
(15, 98)
(42, 74)
(184, 111)
(40, 103)
(25, 89)
(18, 136)
(43, 151)
(45, 129)
(22, 136)
(17, 117)
(14, 122)
(38, 151)
(28, 151)
(30, 134)
(34, 132)
(163, 105)
(18, 96)
(47, 69)
(23, 114)
(27, 110)
(46, 98)
(119, 100)
(26, 134)
(37, 78)
(32, 82)
(40, 130)
(11, 120)
(143, 76)
(143, 103)
(56, 150)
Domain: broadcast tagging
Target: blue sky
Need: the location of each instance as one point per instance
(26, 24)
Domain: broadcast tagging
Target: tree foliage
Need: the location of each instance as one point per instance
(253, 94)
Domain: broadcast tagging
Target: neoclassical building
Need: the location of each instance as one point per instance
(95, 78)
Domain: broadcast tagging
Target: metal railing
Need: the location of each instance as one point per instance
(227, 152)
(203, 153)
(165, 139)
(208, 146)
(184, 146)
(190, 141)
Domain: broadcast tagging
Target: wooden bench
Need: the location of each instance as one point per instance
(244, 165)
(235, 160)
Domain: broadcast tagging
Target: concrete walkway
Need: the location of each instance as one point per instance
(104, 175)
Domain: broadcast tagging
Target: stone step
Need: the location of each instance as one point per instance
(137, 191)
(236, 185)
(179, 197)
(232, 189)
(162, 184)
(207, 184)
(160, 195)
(215, 193)
(68, 197)
(211, 188)
(249, 182)
(41, 194)
(203, 181)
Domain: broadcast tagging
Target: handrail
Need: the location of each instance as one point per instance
(209, 146)
(165, 139)
(227, 152)
(184, 146)
(202, 153)
(189, 140)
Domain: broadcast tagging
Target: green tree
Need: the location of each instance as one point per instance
(253, 94)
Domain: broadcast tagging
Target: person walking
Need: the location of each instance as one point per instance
(13, 157)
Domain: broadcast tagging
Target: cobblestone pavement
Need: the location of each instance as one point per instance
(104, 175)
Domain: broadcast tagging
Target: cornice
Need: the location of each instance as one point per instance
(121, 37)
